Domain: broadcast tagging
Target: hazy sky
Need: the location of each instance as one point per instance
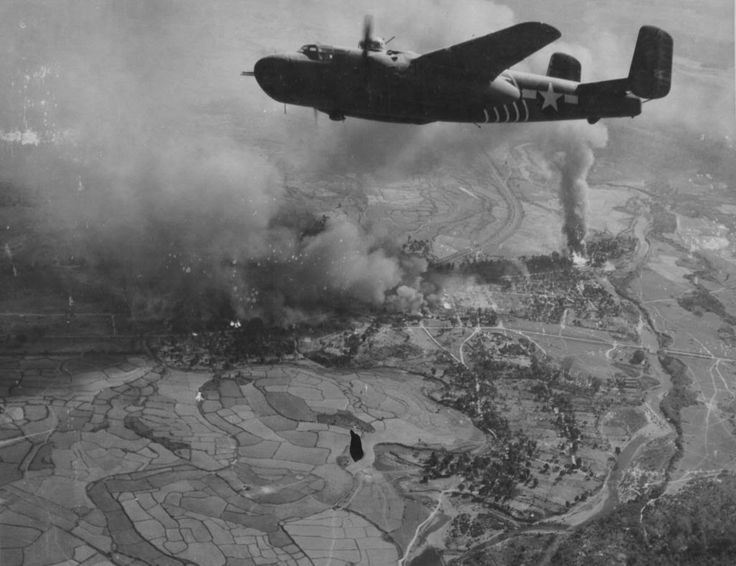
(152, 60)
(149, 136)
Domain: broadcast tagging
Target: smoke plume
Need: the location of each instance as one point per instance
(142, 154)
(145, 158)
(575, 143)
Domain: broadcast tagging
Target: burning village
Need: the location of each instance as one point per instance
(235, 331)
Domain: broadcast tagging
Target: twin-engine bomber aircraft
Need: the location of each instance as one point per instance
(468, 82)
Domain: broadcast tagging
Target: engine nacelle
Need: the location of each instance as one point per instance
(502, 90)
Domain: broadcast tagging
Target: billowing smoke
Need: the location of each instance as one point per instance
(339, 264)
(205, 231)
(143, 153)
(147, 159)
(575, 143)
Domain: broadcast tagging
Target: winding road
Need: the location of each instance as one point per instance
(498, 185)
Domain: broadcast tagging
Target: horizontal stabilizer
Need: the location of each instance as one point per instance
(650, 74)
(613, 87)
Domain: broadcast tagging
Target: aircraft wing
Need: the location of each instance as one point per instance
(487, 56)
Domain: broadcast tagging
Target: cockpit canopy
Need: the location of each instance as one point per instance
(374, 44)
(317, 52)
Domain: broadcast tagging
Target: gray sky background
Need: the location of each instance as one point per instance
(141, 64)
(152, 146)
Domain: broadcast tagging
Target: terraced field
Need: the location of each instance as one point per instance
(128, 459)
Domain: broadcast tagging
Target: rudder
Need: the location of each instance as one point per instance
(650, 75)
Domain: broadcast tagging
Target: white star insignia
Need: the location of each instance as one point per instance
(550, 97)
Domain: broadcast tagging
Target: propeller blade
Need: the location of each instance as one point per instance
(247, 74)
(367, 32)
(316, 117)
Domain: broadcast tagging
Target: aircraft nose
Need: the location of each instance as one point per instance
(272, 74)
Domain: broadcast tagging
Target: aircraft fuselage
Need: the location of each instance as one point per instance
(385, 86)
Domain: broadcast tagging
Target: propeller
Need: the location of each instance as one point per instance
(247, 74)
(367, 32)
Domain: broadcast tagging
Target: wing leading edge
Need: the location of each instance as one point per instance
(484, 58)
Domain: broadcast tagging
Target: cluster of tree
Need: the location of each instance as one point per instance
(599, 296)
(476, 526)
(543, 371)
(473, 393)
(693, 526)
(701, 300)
(680, 395)
(547, 299)
(490, 270)
(422, 248)
(330, 361)
(222, 350)
(486, 348)
(461, 377)
(479, 316)
(543, 308)
(565, 417)
(441, 268)
(546, 263)
(601, 250)
(492, 475)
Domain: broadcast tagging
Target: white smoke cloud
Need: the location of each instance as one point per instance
(407, 299)
(346, 263)
(157, 162)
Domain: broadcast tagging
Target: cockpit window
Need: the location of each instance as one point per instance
(316, 53)
(311, 51)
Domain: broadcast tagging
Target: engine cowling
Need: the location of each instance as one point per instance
(502, 91)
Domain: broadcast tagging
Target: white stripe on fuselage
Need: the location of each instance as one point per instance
(534, 87)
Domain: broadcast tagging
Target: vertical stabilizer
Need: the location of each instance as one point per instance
(650, 75)
(564, 66)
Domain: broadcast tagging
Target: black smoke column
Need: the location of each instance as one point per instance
(577, 142)
(356, 446)
(574, 193)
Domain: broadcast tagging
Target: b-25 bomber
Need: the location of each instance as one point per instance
(468, 82)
